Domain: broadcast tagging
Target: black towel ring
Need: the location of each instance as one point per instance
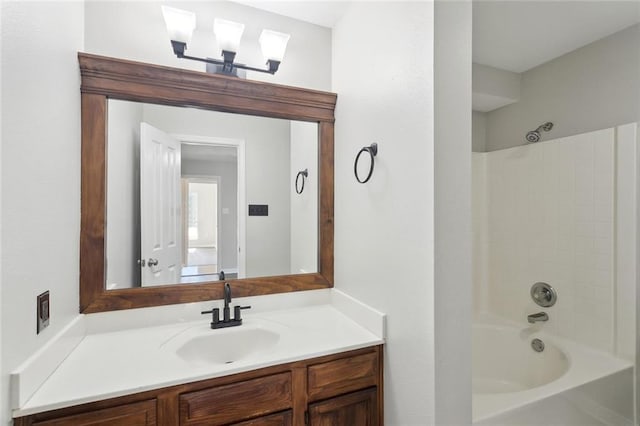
(373, 151)
(304, 173)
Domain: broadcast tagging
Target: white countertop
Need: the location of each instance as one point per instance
(107, 364)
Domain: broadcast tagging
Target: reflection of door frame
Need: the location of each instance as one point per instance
(187, 179)
(241, 208)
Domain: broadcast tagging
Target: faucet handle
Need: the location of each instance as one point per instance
(215, 315)
(236, 311)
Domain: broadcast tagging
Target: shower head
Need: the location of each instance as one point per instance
(534, 135)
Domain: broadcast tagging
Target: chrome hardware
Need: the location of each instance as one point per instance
(543, 294)
(142, 262)
(152, 262)
(537, 345)
(539, 317)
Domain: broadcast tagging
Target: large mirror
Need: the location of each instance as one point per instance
(213, 195)
(198, 196)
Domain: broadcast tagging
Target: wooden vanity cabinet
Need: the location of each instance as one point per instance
(334, 390)
(356, 408)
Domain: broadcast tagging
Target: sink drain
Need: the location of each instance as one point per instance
(537, 345)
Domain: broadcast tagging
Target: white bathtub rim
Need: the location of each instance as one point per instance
(585, 365)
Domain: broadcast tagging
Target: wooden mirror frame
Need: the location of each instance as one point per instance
(104, 78)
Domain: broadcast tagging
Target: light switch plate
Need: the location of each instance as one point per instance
(258, 210)
(43, 312)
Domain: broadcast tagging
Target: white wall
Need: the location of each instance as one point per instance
(591, 88)
(551, 218)
(453, 289)
(494, 88)
(123, 194)
(627, 163)
(479, 131)
(384, 232)
(304, 207)
(40, 173)
(267, 176)
(135, 30)
(480, 231)
(3, 390)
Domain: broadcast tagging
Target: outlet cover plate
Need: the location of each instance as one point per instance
(43, 312)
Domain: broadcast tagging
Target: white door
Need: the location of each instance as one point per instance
(160, 216)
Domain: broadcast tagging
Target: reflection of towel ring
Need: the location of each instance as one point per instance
(373, 151)
(304, 173)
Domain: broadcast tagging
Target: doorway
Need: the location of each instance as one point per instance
(201, 225)
(213, 200)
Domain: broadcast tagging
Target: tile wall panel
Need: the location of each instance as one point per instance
(549, 217)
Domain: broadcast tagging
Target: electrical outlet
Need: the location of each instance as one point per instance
(43, 312)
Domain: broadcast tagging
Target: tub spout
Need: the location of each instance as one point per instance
(540, 316)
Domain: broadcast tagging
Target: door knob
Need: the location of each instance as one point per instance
(152, 262)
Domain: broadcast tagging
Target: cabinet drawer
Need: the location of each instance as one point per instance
(342, 375)
(236, 401)
(279, 419)
(136, 414)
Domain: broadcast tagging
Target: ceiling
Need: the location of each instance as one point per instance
(519, 35)
(514, 35)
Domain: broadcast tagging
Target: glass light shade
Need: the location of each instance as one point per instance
(273, 45)
(228, 34)
(180, 23)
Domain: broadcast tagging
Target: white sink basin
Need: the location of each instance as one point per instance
(227, 345)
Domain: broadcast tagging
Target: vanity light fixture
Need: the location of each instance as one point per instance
(181, 23)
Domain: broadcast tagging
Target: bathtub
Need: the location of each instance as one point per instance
(508, 374)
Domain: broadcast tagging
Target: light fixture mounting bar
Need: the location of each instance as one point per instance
(227, 64)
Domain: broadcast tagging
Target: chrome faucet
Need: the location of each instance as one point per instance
(540, 316)
(226, 321)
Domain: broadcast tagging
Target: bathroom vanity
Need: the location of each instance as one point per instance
(343, 388)
(298, 359)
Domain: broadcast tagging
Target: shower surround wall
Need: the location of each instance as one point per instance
(545, 212)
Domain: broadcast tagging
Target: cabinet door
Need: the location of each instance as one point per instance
(357, 408)
(136, 414)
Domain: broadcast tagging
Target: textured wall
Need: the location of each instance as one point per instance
(384, 230)
(40, 173)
